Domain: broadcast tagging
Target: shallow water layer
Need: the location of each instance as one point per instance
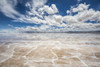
(50, 50)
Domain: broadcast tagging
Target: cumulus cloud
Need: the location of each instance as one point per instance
(54, 20)
(72, 27)
(50, 10)
(81, 7)
(83, 14)
(88, 15)
(40, 13)
(42, 28)
(50, 19)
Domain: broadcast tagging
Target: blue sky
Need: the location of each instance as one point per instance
(49, 15)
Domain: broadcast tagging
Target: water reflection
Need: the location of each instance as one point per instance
(66, 38)
(50, 50)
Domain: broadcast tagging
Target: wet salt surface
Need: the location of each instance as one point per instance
(50, 50)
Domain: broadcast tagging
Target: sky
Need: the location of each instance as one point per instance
(49, 15)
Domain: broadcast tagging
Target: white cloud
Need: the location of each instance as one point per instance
(50, 10)
(70, 19)
(37, 13)
(7, 8)
(72, 27)
(81, 7)
(34, 7)
(38, 3)
(83, 14)
(35, 20)
(33, 29)
(54, 20)
(88, 15)
(58, 18)
(48, 16)
(76, 22)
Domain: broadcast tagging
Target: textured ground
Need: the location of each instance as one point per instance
(50, 50)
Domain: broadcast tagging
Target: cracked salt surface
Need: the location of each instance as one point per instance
(50, 50)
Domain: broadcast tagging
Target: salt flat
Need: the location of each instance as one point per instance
(50, 50)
